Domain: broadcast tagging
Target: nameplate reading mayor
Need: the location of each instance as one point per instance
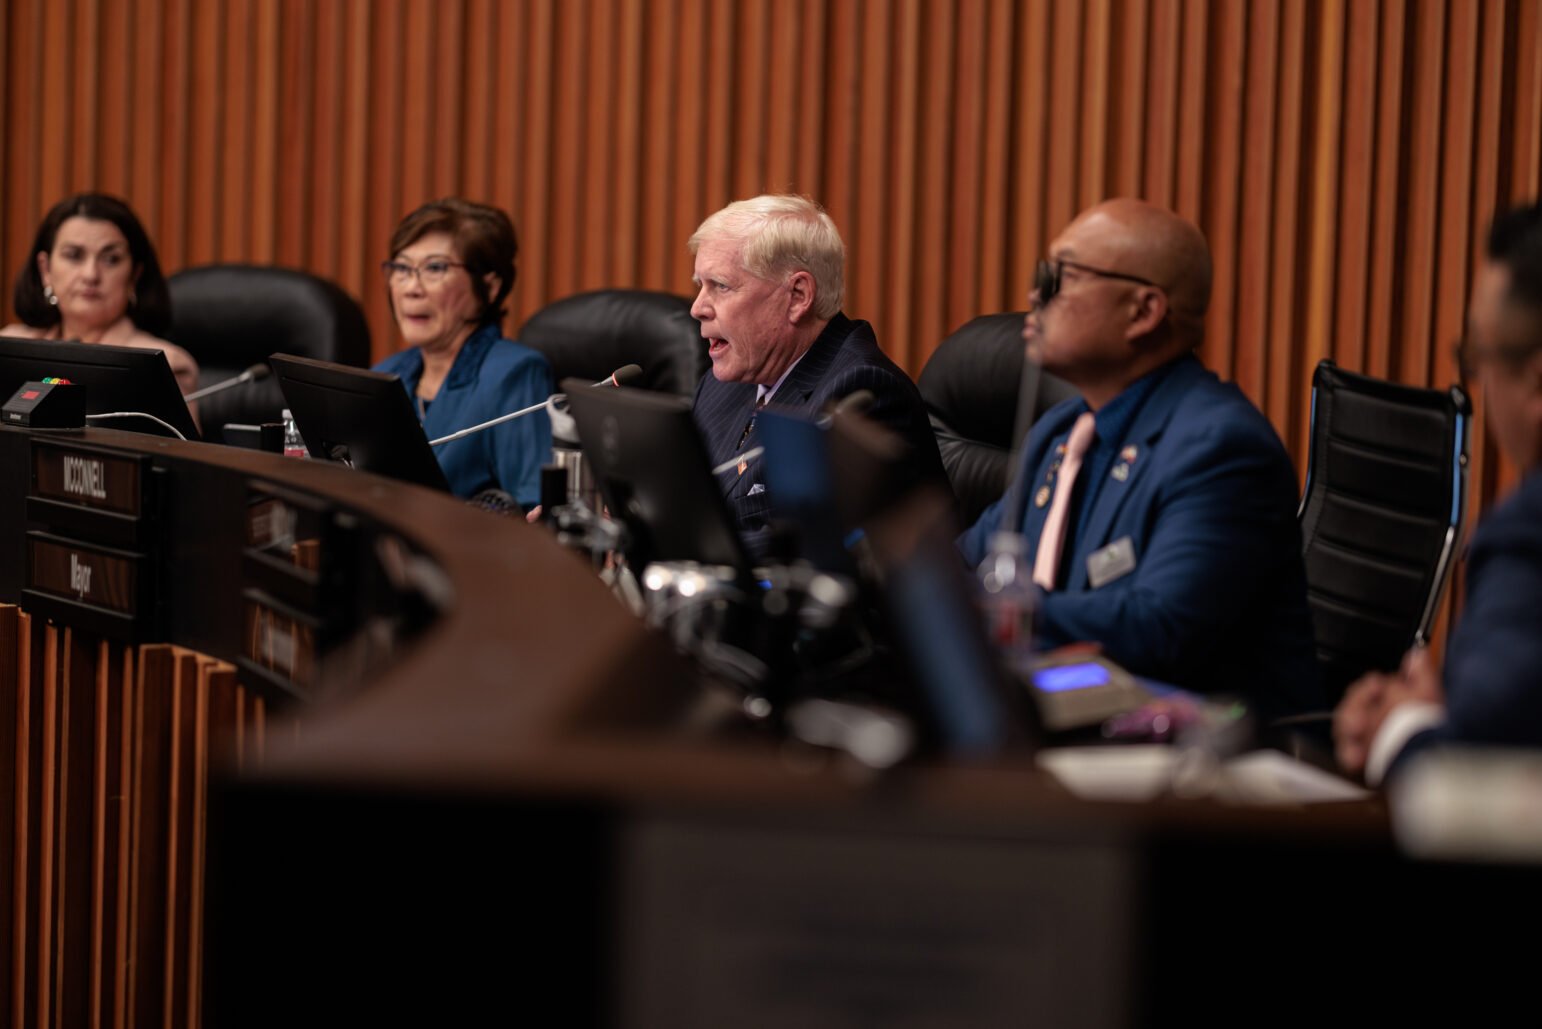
(84, 575)
(92, 478)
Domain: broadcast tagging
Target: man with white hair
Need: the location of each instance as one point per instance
(770, 278)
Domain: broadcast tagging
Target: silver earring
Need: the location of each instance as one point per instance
(50, 296)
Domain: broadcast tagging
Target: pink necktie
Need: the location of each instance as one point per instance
(1046, 563)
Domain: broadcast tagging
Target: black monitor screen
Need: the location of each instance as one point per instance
(361, 418)
(801, 479)
(971, 706)
(653, 469)
(116, 379)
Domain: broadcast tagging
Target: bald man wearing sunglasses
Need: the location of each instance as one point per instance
(1159, 508)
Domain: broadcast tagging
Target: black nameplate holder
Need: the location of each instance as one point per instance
(296, 586)
(90, 548)
(99, 589)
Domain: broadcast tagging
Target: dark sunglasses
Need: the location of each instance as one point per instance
(1046, 277)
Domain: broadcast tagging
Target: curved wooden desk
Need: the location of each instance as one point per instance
(487, 809)
(151, 645)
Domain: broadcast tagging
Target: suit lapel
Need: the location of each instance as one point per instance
(795, 395)
(1136, 458)
(797, 390)
(722, 410)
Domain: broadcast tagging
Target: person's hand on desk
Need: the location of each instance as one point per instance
(533, 515)
(1369, 701)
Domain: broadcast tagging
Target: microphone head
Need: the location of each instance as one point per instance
(257, 372)
(857, 402)
(625, 374)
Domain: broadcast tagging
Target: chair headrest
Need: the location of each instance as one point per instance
(592, 334)
(972, 379)
(233, 315)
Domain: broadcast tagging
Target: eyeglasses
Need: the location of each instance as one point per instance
(1046, 277)
(430, 273)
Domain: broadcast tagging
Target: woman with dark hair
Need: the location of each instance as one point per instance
(94, 277)
(451, 268)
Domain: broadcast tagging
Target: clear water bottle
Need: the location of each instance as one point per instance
(1007, 597)
(294, 445)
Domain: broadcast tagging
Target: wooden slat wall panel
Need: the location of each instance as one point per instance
(1342, 155)
(14, 660)
(102, 823)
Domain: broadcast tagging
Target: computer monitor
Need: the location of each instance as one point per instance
(116, 379)
(968, 704)
(361, 418)
(802, 482)
(653, 470)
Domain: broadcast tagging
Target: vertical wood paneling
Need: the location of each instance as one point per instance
(1192, 129)
(13, 674)
(1343, 156)
(1276, 393)
(996, 172)
(104, 822)
(1322, 253)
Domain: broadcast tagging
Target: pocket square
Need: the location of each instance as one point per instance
(756, 489)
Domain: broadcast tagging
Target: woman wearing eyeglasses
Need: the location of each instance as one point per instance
(451, 268)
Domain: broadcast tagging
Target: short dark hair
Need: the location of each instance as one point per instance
(484, 241)
(1515, 241)
(151, 310)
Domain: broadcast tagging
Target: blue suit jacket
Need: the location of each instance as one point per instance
(845, 358)
(491, 376)
(1216, 601)
(1493, 669)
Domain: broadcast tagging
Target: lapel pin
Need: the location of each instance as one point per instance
(1042, 497)
(1121, 472)
(742, 466)
(1128, 454)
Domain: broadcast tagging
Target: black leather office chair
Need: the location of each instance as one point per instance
(592, 334)
(232, 316)
(1381, 516)
(983, 397)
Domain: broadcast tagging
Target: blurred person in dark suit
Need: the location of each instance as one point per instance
(1159, 507)
(1490, 688)
(770, 280)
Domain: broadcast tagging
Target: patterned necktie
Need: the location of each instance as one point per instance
(749, 426)
(1046, 563)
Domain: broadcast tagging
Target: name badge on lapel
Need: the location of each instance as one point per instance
(1113, 561)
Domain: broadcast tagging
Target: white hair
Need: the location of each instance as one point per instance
(782, 233)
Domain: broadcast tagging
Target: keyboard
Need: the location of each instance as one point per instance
(498, 502)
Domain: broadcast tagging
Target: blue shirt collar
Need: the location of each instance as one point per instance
(468, 361)
(1114, 419)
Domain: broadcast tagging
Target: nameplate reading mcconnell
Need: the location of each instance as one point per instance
(91, 478)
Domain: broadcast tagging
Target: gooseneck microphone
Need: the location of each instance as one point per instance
(256, 373)
(620, 377)
(856, 402)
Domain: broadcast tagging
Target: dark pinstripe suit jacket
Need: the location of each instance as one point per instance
(845, 358)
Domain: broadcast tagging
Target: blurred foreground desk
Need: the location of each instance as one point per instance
(332, 750)
(167, 609)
